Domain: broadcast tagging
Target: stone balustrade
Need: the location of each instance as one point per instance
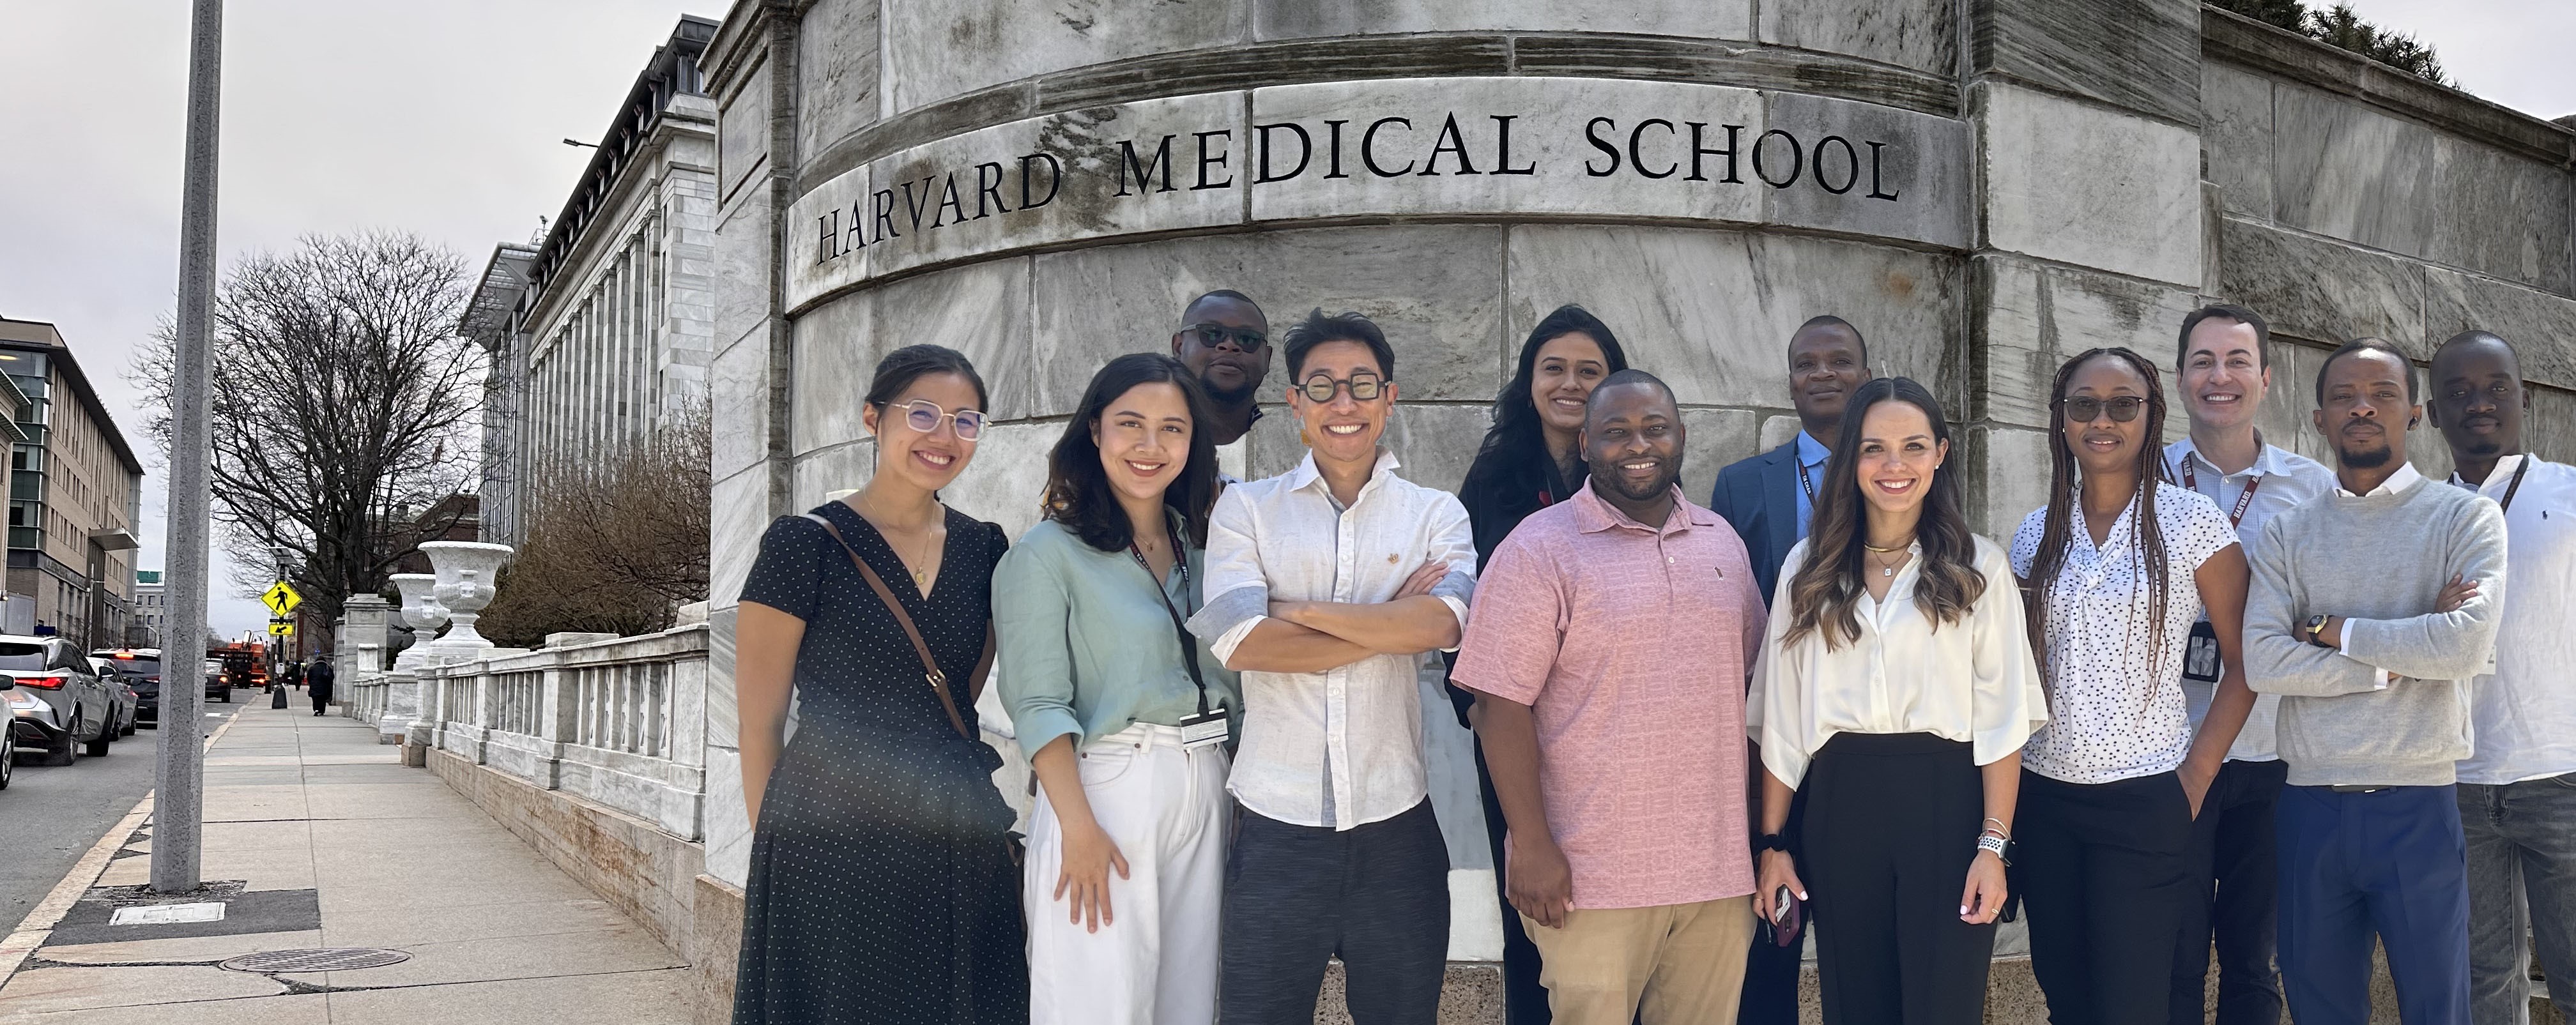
(617, 722)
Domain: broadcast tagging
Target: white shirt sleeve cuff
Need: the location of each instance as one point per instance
(2378, 676)
(1225, 643)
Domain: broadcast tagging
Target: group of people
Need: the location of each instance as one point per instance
(2209, 693)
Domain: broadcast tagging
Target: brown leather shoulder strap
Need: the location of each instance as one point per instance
(930, 670)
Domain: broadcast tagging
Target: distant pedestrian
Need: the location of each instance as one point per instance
(318, 682)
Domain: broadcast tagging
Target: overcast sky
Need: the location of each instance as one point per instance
(445, 118)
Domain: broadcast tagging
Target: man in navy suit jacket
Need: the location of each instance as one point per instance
(1768, 500)
(1765, 497)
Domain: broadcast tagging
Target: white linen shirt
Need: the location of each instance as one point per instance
(2289, 480)
(2116, 708)
(1970, 681)
(1340, 748)
(2524, 714)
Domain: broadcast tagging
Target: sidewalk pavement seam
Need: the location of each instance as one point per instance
(38, 926)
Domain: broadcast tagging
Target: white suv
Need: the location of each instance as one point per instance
(56, 700)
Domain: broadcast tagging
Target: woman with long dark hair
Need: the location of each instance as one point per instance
(1123, 714)
(2110, 786)
(883, 887)
(1531, 459)
(1896, 688)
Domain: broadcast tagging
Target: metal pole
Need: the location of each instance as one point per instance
(177, 806)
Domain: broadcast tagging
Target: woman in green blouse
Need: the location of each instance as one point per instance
(1123, 715)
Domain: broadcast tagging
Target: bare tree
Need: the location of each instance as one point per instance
(345, 407)
(613, 545)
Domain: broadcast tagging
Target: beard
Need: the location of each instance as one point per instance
(2364, 459)
(2484, 448)
(1234, 396)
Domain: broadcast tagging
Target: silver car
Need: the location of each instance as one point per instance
(56, 700)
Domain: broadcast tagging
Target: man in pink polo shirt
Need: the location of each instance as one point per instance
(1608, 645)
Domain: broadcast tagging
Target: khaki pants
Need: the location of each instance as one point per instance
(1679, 964)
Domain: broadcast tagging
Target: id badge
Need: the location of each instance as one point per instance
(2200, 662)
(1199, 731)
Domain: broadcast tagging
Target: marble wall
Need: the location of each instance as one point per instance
(2087, 174)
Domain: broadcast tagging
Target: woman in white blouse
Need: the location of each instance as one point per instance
(1896, 688)
(2111, 785)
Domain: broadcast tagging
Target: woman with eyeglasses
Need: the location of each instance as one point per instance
(1124, 715)
(884, 884)
(1896, 689)
(2114, 571)
(1531, 459)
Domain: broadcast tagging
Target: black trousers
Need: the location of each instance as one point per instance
(2101, 876)
(1891, 827)
(2233, 870)
(1524, 998)
(1377, 896)
(1770, 995)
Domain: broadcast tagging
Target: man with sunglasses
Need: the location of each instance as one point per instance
(1325, 586)
(2224, 371)
(1225, 340)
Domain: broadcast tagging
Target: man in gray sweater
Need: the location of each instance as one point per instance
(2371, 609)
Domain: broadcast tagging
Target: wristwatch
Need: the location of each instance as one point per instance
(2316, 629)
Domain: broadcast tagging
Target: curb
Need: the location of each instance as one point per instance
(38, 926)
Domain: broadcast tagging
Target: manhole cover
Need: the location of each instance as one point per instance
(328, 959)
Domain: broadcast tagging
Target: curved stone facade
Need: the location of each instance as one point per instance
(1983, 189)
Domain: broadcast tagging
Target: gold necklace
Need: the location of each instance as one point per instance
(1885, 569)
(921, 576)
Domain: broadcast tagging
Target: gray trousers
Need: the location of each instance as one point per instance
(2522, 882)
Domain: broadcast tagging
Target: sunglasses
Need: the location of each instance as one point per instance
(1243, 339)
(2086, 409)
(924, 415)
(1364, 387)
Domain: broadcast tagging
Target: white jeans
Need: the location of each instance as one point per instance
(1167, 809)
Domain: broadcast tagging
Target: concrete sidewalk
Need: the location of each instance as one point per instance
(317, 837)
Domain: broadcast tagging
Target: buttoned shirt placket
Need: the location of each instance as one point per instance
(1337, 681)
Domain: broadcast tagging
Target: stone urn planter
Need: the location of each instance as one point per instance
(465, 571)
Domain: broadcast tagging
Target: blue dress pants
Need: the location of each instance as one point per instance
(2390, 862)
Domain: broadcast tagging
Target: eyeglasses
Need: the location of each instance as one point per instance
(1364, 387)
(1243, 339)
(2086, 409)
(924, 415)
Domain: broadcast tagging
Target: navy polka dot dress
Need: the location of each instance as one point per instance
(882, 883)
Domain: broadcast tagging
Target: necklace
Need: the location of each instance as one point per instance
(929, 547)
(1886, 569)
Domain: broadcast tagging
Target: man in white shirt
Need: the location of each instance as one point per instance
(1325, 585)
(2224, 372)
(2518, 788)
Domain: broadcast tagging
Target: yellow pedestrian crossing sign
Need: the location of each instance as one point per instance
(280, 599)
(281, 629)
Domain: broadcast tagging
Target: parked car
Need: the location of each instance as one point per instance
(56, 700)
(140, 669)
(122, 697)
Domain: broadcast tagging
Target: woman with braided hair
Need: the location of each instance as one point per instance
(2110, 786)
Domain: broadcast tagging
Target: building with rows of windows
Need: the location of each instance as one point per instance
(75, 492)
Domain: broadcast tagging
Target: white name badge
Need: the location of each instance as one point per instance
(1199, 731)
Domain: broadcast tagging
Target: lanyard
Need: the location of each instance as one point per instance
(1189, 645)
(2515, 484)
(2243, 502)
(1808, 485)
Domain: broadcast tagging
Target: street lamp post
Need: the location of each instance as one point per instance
(177, 810)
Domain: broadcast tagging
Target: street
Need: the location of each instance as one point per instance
(50, 816)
